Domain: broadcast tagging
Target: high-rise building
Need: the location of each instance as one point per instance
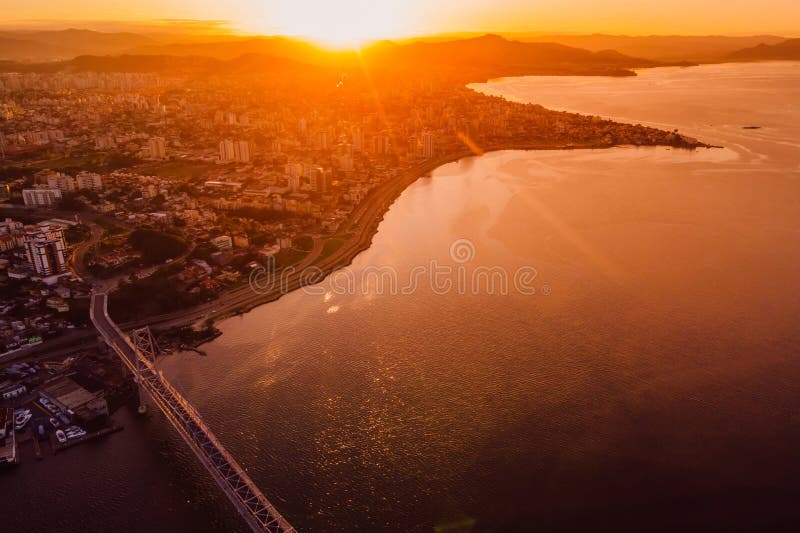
(226, 150)
(318, 179)
(413, 146)
(294, 169)
(46, 249)
(89, 180)
(294, 182)
(62, 182)
(158, 148)
(345, 163)
(238, 151)
(322, 140)
(241, 151)
(358, 139)
(41, 197)
(428, 144)
(381, 144)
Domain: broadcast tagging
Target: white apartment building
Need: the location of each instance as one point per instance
(40, 197)
(89, 180)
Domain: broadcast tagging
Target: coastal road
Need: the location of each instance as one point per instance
(79, 252)
(231, 302)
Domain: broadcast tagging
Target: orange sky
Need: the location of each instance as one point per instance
(356, 20)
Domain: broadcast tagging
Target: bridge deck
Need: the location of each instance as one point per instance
(232, 479)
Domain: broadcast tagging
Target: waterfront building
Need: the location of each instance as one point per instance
(428, 145)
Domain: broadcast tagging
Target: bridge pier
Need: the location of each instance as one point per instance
(142, 409)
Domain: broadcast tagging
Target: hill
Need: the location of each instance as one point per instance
(66, 44)
(462, 60)
(786, 50)
(472, 58)
(15, 49)
(700, 49)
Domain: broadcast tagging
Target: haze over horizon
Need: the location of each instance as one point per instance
(350, 22)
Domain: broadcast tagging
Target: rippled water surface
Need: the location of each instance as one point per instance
(653, 379)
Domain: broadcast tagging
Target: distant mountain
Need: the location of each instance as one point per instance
(479, 58)
(12, 48)
(232, 48)
(66, 44)
(467, 60)
(487, 55)
(787, 50)
(179, 65)
(555, 51)
(708, 48)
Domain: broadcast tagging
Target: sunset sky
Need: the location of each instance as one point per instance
(343, 20)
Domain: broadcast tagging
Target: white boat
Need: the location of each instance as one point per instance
(19, 422)
(62, 438)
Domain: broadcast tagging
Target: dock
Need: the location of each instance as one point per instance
(57, 446)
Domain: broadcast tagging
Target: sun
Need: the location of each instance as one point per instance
(337, 23)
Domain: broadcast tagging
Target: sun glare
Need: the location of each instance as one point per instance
(338, 24)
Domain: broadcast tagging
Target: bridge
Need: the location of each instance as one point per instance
(138, 354)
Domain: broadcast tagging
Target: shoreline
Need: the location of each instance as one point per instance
(362, 227)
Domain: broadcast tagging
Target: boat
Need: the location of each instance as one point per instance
(62, 438)
(20, 421)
